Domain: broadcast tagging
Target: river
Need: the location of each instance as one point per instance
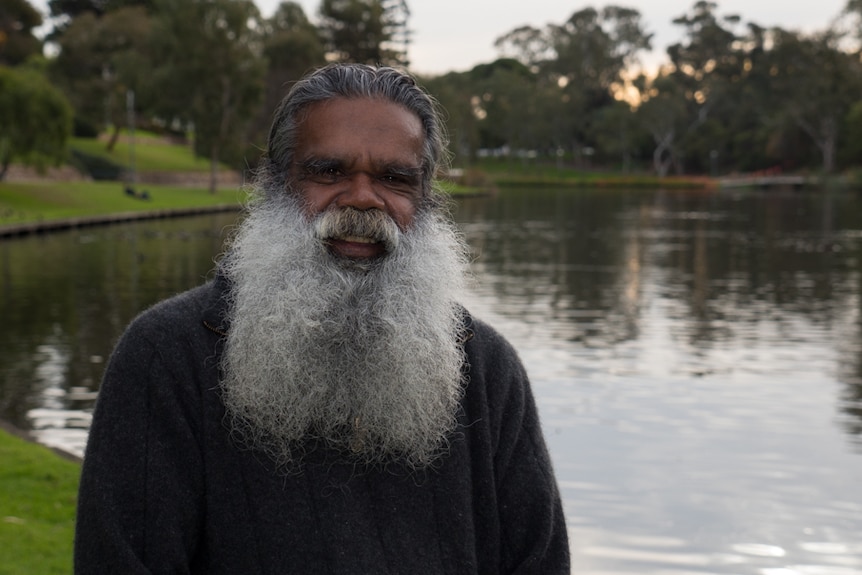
(696, 357)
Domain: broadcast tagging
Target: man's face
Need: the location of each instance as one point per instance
(364, 154)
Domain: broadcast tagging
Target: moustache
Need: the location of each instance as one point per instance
(351, 224)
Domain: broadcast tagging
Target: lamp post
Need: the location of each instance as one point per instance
(130, 119)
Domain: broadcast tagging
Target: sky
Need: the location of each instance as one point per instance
(455, 35)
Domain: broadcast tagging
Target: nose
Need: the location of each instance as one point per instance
(360, 193)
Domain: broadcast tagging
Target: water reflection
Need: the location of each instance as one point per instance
(65, 299)
(697, 359)
(689, 351)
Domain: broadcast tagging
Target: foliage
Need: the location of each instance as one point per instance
(365, 31)
(819, 83)
(18, 19)
(733, 97)
(102, 60)
(35, 117)
(37, 508)
(291, 47)
(74, 8)
(853, 136)
(97, 167)
(217, 83)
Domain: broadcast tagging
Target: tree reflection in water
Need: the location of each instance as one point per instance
(696, 355)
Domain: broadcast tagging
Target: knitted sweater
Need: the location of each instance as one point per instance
(164, 489)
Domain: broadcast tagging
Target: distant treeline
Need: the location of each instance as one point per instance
(733, 97)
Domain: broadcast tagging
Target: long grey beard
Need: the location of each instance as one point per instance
(367, 359)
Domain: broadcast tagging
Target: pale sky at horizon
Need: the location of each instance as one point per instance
(455, 35)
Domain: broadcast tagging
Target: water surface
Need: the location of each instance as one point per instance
(695, 357)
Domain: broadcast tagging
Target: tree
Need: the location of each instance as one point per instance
(291, 47)
(454, 91)
(584, 60)
(212, 72)
(665, 114)
(71, 9)
(100, 60)
(35, 120)
(705, 82)
(852, 148)
(818, 83)
(18, 19)
(366, 31)
(530, 46)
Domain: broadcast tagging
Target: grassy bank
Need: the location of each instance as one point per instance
(38, 490)
(43, 201)
(514, 172)
(151, 152)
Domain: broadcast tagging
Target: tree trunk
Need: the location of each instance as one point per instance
(663, 144)
(112, 141)
(213, 169)
(5, 158)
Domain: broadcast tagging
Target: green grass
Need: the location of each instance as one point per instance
(30, 202)
(513, 172)
(38, 491)
(151, 153)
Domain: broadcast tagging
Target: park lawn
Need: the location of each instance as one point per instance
(22, 202)
(515, 172)
(151, 153)
(38, 493)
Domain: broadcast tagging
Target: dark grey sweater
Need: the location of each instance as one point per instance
(165, 490)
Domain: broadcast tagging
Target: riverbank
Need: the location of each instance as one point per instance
(37, 510)
(33, 207)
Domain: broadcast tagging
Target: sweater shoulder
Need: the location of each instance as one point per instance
(488, 349)
(178, 314)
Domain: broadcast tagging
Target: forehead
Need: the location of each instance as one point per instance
(361, 128)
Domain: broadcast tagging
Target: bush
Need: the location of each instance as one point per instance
(97, 167)
(84, 129)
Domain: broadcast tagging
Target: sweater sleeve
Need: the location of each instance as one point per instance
(533, 537)
(140, 499)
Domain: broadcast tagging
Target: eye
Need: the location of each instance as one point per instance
(393, 179)
(407, 181)
(324, 172)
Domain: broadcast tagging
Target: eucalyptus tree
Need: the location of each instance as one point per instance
(454, 93)
(593, 49)
(665, 114)
(366, 31)
(71, 9)
(291, 47)
(292, 44)
(18, 20)
(697, 89)
(212, 70)
(585, 59)
(853, 136)
(501, 93)
(100, 59)
(818, 82)
(529, 45)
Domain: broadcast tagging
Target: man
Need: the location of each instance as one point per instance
(324, 405)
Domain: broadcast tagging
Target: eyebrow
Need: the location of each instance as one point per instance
(315, 165)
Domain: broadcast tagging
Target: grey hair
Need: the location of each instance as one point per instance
(353, 81)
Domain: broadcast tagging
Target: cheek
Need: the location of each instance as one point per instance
(403, 211)
(313, 201)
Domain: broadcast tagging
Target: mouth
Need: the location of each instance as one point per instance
(356, 235)
(356, 247)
